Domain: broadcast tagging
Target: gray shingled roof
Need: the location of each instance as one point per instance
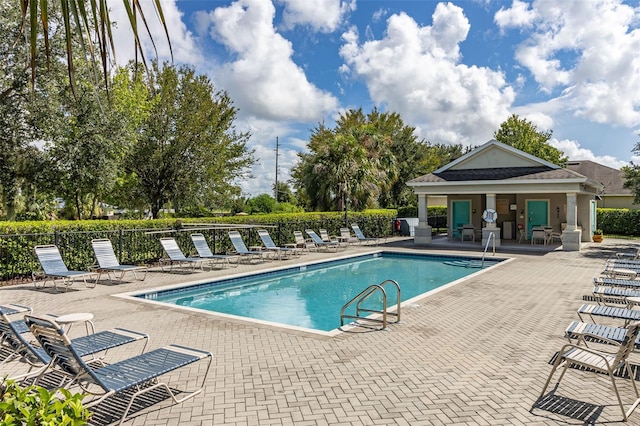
(610, 178)
(502, 173)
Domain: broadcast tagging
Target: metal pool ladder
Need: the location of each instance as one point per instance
(364, 295)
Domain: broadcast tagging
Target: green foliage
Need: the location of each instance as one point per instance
(619, 221)
(525, 136)
(136, 241)
(631, 174)
(188, 149)
(35, 405)
(263, 203)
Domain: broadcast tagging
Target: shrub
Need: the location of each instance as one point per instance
(35, 405)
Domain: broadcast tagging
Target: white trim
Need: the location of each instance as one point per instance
(505, 147)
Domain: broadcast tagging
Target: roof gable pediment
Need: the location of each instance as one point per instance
(495, 155)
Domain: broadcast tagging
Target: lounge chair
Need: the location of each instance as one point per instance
(177, 257)
(600, 362)
(139, 374)
(362, 238)
(324, 234)
(317, 241)
(346, 237)
(302, 243)
(589, 332)
(620, 294)
(204, 251)
(271, 246)
(616, 282)
(54, 268)
(108, 262)
(242, 250)
(16, 339)
(629, 256)
(625, 314)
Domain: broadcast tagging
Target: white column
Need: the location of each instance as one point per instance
(423, 231)
(422, 210)
(572, 211)
(572, 236)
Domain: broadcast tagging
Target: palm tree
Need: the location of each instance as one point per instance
(89, 21)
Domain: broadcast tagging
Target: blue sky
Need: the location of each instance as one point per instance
(453, 70)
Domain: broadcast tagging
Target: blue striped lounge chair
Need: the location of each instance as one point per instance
(204, 252)
(177, 257)
(601, 362)
(616, 282)
(54, 268)
(625, 314)
(584, 331)
(108, 263)
(618, 294)
(18, 342)
(130, 377)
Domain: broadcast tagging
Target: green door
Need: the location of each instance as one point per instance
(537, 214)
(460, 215)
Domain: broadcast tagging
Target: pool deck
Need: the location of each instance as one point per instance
(473, 354)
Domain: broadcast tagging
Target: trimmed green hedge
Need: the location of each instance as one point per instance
(619, 221)
(136, 241)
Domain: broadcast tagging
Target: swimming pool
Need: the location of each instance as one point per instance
(310, 296)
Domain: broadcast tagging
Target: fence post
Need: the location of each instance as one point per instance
(120, 244)
(56, 237)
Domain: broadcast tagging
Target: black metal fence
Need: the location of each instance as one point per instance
(142, 246)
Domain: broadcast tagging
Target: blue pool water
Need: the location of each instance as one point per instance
(312, 296)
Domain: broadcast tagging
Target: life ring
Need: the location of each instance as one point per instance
(489, 215)
(396, 225)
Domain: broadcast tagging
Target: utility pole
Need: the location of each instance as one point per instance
(275, 189)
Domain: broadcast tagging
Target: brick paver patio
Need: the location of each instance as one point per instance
(474, 354)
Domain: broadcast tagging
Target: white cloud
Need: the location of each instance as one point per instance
(263, 80)
(416, 71)
(182, 42)
(519, 15)
(321, 15)
(575, 152)
(588, 50)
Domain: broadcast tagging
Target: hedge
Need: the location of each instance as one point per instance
(619, 221)
(136, 241)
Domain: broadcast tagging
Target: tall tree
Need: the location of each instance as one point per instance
(188, 150)
(525, 136)
(366, 159)
(89, 143)
(631, 174)
(18, 122)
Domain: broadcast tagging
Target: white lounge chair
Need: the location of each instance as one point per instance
(317, 241)
(204, 251)
(54, 268)
(108, 262)
(242, 250)
(271, 246)
(346, 237)
(361, 237)
(177, 257)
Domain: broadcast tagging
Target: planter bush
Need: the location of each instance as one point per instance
(35, 405)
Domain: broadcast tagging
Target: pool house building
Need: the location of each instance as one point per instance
(525, 191)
